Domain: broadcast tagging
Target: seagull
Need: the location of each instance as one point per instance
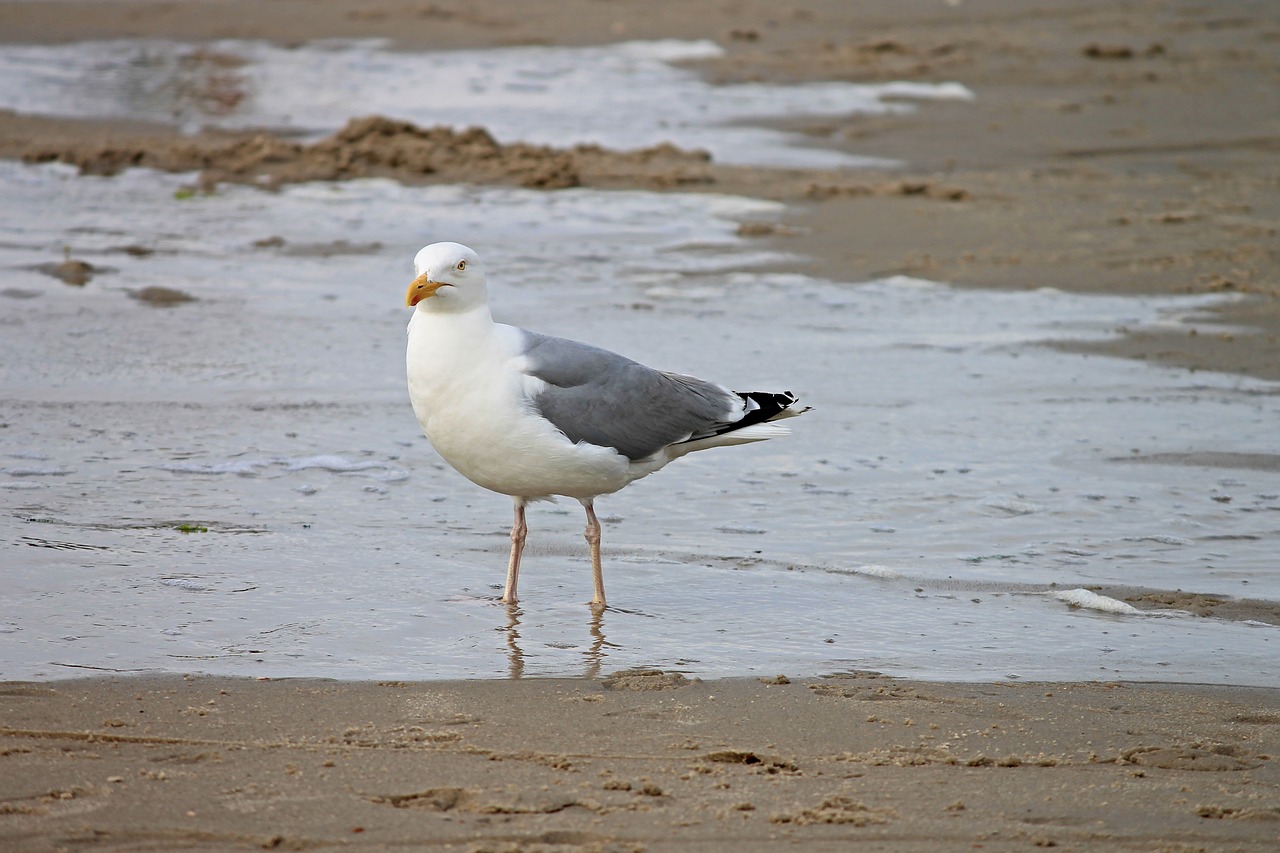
(533, 416)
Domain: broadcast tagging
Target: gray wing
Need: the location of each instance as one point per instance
(602, 398)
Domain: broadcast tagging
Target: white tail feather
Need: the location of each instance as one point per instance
(746, 435)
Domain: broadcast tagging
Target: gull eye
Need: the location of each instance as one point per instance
(462, 265)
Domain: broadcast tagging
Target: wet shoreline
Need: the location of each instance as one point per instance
(1083, 166)
(644, 759)
(218, 484)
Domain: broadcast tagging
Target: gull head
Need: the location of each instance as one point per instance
(447, 276)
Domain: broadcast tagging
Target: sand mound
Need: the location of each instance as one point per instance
(373, 146)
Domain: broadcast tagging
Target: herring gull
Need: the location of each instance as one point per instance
(533, 416)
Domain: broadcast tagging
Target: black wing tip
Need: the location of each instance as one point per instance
(760, 407)
(775, 402)
(769, 406)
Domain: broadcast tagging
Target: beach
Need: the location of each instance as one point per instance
(1127, 147)
(1109, 150)
(637, 761)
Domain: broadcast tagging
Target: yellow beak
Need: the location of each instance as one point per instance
(420, 289)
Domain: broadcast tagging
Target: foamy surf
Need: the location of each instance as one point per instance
(1087, 600)
(869, 570)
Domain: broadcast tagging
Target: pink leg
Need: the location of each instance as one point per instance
(592, 534)
(518, 531)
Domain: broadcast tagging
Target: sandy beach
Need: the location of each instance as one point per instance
(642, 760)
(1125, 148)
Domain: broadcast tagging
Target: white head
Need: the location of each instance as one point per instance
(448, 277)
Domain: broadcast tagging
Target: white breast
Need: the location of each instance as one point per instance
(471, 398)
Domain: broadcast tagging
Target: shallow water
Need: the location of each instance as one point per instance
(625, 96)
(237, 485)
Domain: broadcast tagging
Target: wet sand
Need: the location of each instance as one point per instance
(637, 761)
(1115, 148)
(1111, 148)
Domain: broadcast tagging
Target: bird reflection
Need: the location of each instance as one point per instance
(596, 654)
(593, 656)
(515, 655)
